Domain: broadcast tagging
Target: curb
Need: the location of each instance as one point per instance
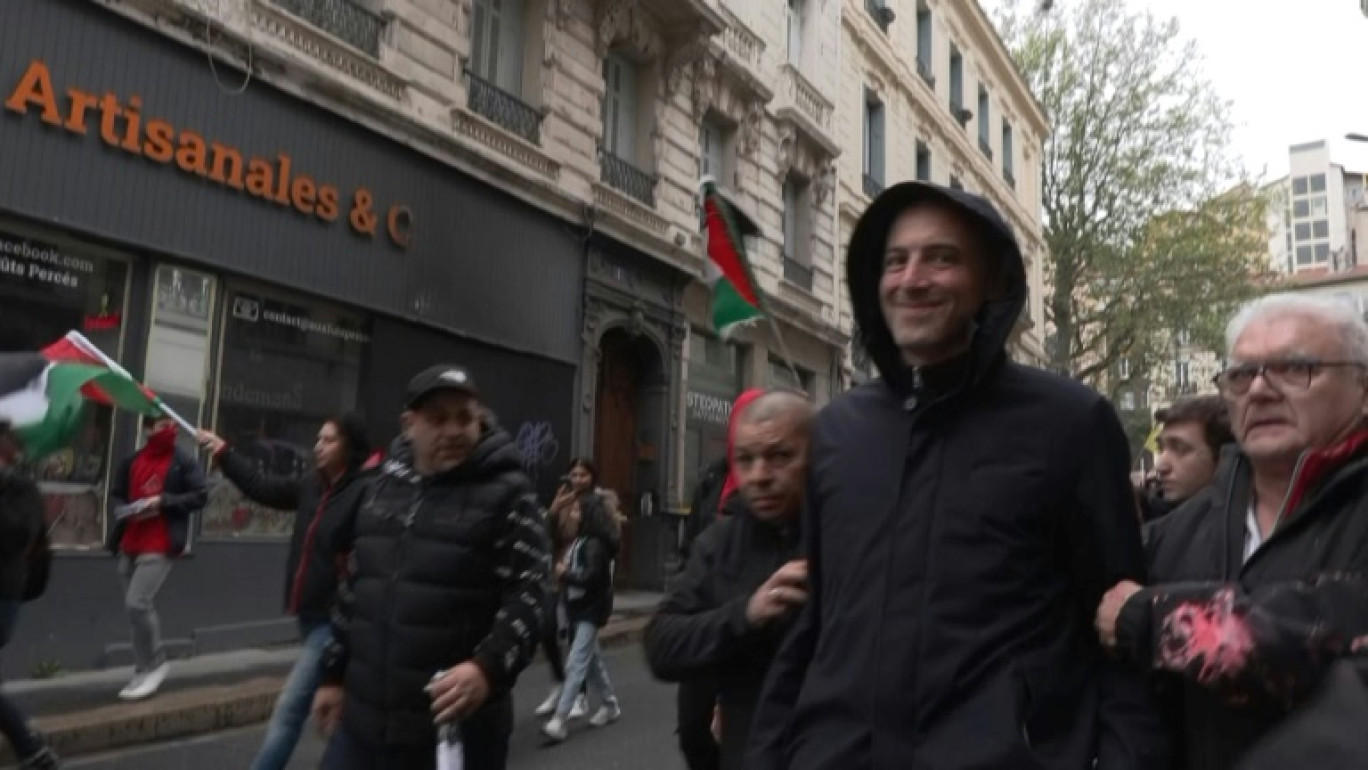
(203, 710)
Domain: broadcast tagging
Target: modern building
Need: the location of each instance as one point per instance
(1317, 213)
(928, 91)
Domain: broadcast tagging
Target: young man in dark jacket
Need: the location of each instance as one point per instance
(724, 618)
(325, 504)
(964, 515)
(1193, 431)
(445, 593)
(153, 494)
(23, 529)
(1257, 584)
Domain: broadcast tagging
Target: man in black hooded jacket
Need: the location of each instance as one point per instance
(964, 516)
(448, 573)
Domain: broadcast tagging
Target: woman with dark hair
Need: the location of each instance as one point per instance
(590, 536)
(326, 502)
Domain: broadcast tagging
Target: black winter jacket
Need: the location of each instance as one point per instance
(444, 570)
(700, 631)
(962, 524)
(324, 519)
(1251, 639)
(22, 523)
(705, 507)
(184, 493)
(588, 583)
(1327, 733)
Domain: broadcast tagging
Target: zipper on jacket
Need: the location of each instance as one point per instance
(1282, 508)
(307, 551)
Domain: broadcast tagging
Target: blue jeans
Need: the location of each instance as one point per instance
(584, 664)
(295, 701)
(13, 723)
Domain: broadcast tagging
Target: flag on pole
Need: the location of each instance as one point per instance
(43, 395)
(736, 296)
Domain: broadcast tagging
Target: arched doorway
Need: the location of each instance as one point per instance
(628, 441)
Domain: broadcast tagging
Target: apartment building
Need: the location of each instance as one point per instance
(928, 91)
(1317, 212)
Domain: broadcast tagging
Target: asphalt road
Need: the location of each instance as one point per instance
(643, 738)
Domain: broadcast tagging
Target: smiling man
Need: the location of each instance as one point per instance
(1257, 583)
(964, 514)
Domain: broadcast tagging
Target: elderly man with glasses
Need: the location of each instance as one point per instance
(1260, 581)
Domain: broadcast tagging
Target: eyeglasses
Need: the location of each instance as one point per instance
(1290, 375)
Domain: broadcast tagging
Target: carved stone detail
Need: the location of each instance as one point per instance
(823, 185)
(682, 60)
(752, 130)
(620, 21)
(562, 11)
(706, 86)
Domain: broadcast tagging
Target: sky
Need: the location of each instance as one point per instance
(1295, 70)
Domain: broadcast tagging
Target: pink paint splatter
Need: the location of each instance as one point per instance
(1208, 634)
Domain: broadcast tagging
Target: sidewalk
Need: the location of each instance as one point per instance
(81, 713)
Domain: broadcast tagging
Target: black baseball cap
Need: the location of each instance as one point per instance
(438, 378)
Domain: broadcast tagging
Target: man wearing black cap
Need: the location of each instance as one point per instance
(964, 516)
(443, 604)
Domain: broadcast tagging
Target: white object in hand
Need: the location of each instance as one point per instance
(133, 509)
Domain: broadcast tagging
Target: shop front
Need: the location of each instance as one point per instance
(262, 264)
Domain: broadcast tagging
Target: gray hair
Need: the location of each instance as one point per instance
(1353, 330)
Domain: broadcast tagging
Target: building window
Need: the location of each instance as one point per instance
(794, 18)
(873, 145)
(984, 123)
(1317, 183)
(781, 376)
(1301, 209)
(1128, 402)
(1123, 369)
(880, 12)
(1302, 230)
(618, 164)
(287, 364)
(496, 45)
(1181, 376)
(1322, 252)
(716, 375)
(1317, 205)
(713, 139)
(1007, 162)
(46, 290)
(955, 183)
(1299, 185)
(924, 67)
(797, 224)
(923, 161)
(1303, 255)
(956, 84)
(1320, 228)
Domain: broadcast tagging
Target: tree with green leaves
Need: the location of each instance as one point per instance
(1152, 225)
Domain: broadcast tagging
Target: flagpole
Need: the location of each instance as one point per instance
(88, 347)
(784, 351)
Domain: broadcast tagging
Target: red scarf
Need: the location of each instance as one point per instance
(147, 478)
(732, 483)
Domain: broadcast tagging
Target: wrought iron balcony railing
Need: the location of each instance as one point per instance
(504, 109)
(872, 186)
(346, 20)
(797, 273)
(621, 175)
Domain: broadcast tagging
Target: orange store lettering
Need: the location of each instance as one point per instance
(122, 125)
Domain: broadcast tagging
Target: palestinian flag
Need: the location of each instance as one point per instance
(43, 396)
(736, 298)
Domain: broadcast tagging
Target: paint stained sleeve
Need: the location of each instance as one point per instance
(524, 563)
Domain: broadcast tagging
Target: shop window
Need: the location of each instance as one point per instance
(178, 342)
(46, 290)
(716, 377)
(287, 364)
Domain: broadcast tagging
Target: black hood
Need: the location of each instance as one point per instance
(494, 453)
(864, 267)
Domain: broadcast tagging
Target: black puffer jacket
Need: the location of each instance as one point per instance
(324, 519)
(700, 631)
(1252, 639)
(962, 523)
(588, 588)
(21, 525)
(444, 570)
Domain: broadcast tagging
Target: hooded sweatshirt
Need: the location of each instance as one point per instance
(961, 525)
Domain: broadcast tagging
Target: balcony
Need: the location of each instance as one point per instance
(924, 69)
(504, 109)
(345, 20)
(800, 103)
(872, 187)
(881, 14)
(797, 273)
(985, 148)
(630, 180)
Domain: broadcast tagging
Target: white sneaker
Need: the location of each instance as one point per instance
(581, 708)
(555, 730)
(606, 715)
(146, 685)
(548, 706)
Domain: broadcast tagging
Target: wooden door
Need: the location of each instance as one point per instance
(615, 429)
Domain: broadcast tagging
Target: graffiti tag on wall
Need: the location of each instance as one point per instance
(539, 447)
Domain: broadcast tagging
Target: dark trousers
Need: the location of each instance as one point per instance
(695, 701)
(484, 737)
(13, 723)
